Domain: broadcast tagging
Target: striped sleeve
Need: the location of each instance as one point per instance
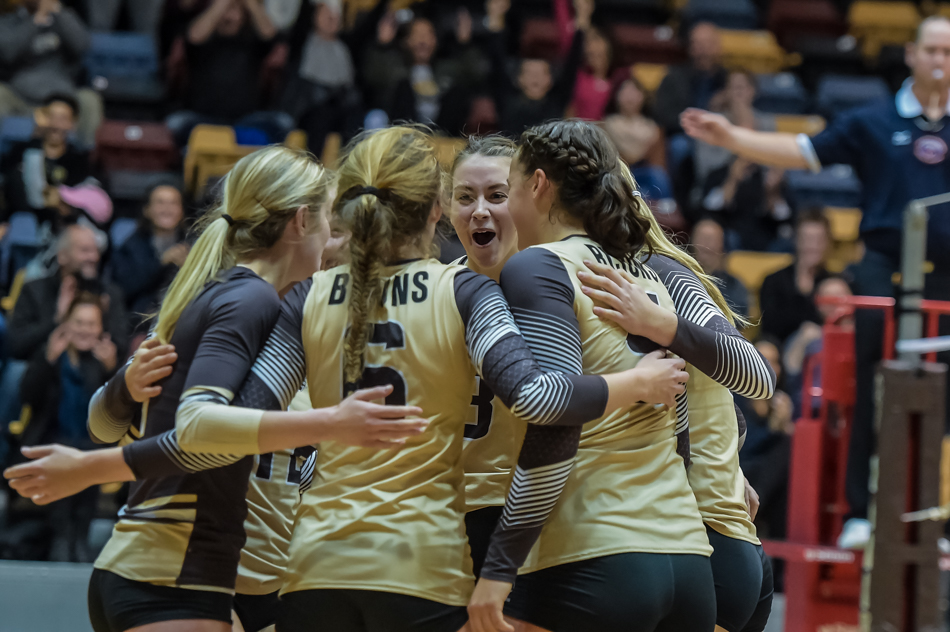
(112, 409)
(706, 339)
(531, 385)
(541, 296)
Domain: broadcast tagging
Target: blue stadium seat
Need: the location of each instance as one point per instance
(121, 229)
(14, 129)
(22, 229)
(124, 68)
(781, 93)
(835, 185)
(727, 14)
(837, 93)
(121, 55)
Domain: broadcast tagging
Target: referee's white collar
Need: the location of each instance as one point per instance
(907, 104)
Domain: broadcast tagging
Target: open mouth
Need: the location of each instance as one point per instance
(483, 237)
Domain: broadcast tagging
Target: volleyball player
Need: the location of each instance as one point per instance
(480, 216)
(618, 543)
(720, 360)
(378, 542)
(172, 560)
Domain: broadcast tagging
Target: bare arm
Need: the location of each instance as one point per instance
(203, 26)
(262, 25)
(767, 148)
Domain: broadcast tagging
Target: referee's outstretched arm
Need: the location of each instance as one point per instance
(768, 148)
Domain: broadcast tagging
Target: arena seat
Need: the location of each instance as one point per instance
(636, 43)
(781, 93)
(837, 93)
(331, 149)
(123, 145)
(727, 14)
(121, 229)
(877, 23)
(124, 68)
(822, 55)
(650, 76)
(790, 19)
(447, 148)
(755, 51)
(540, 39)
(792, 124)
(212, 151)
(845, 223)
(14, 129)
(835, 185)
(296, 139)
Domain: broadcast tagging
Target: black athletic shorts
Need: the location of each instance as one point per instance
(117, 604)
(256, 612)
(345, 610)
(737, 571)
(480, 525)
(760, 617)
(627, 592)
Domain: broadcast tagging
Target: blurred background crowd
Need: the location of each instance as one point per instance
(118, 117)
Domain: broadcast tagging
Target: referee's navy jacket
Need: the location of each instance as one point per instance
(899, 156)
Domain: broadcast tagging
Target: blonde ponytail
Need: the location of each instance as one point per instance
(260, 194)
(660, 243)
(389, 181)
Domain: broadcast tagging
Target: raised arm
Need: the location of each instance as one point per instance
(767, 148)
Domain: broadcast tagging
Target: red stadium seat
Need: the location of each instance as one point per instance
(790, 19)
(636, 43)
(540, 39)
(135, 146)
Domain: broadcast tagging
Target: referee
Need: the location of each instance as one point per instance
(899, 151)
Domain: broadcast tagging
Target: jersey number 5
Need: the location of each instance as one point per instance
(391, 335)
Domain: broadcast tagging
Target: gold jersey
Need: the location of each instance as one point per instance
(492, 438)
(628, 491)
(390, 520)
(714, 474)
(273, 494)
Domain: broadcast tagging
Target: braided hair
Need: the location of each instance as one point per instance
(584, 164)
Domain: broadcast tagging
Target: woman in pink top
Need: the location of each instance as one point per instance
(595, 83)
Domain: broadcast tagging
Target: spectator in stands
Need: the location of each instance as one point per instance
(103, 15)
(44, 303)
(322, 94)
(898, 149)
(42, 45)
(60, 380)
(536, 97)
(48, 161)
(787, 296)
(766, 453)
(595, 82)
(750, 200)
(806, 343)
(86, 205)
(414, 83)
(147, 262)
(638, 138)
(695, 83)
(735, 102)
(709, 241)
(226, 48)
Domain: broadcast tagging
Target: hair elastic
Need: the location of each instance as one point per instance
(228, 219)
(357, 191)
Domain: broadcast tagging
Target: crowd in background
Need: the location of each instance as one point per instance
(273, 66)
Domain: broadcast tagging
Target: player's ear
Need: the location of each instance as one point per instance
(540, 184)
(301, 220)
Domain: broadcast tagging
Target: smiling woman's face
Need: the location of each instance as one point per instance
(480, 211)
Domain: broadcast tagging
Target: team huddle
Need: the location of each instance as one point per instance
(540, 436)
